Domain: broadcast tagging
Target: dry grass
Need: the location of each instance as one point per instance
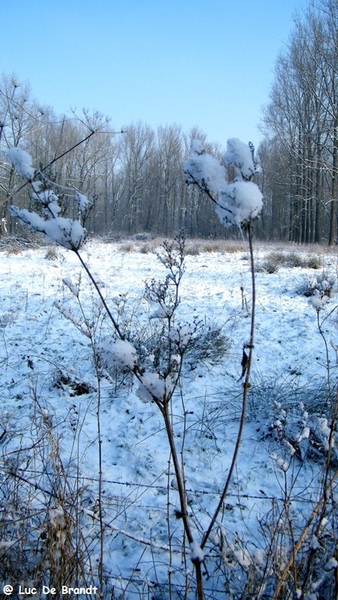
(193, 247)
(51, 254)
(14, 249)
(275, 259)
(282, 253)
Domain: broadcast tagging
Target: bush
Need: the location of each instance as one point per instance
(321, 284)
(276, 259)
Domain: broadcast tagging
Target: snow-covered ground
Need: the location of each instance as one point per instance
(47, 369)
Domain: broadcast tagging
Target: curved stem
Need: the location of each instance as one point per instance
(97, 288)
(246, 386)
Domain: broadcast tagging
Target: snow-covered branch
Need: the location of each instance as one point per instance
(237, 202)
(68, 233)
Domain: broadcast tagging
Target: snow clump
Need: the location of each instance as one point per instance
(204, 169)
(241, 157)
(119, 353)
(197, 554)
(70, 285)
(181, 335)
(238, 202)
(48, 199)
(153, 386)
(68, 233)
(82, 201)
(22, 162)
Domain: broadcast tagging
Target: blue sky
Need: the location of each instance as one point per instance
(193, 62)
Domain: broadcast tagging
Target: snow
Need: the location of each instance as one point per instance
(71, 286)
(151, 386)
(82, 201)
(118, 353)
(288, 373)
(204, 168)
(197, 553)
(22, 162)
(237, 202)
(68, 233)
(181, 335)
(49, 200)
(239, 155)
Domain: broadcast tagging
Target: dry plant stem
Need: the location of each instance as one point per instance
(327, 483)
(303, 535)
(169, 530)
(246, 386)
(327, 358)
(104, 303)
(182, 495)
(98, 421)
(178, 473)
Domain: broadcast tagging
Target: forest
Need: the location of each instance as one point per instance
(134, 175)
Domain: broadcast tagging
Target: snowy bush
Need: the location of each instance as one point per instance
(159, 372)
(319, 285)
(42, 532)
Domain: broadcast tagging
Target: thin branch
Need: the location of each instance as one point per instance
(97, 288)
(136, 538)
(53, 161)
(246, 386)
(204, 188)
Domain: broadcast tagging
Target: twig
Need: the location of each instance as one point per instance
(298, 545)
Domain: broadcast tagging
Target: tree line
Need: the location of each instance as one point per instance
(135, 179)
(300, 151)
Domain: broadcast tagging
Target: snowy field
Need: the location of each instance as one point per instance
(50, 393)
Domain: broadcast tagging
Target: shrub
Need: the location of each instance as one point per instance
(321, 284)
(276, 259)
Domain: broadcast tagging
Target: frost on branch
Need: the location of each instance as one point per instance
(70, 285)
(68, 233)
(48, 199)
(84, 204)
(181, 335)
(238, 202)
(65, 232)
(22, 162)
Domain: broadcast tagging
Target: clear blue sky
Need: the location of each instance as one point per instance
(193, 62)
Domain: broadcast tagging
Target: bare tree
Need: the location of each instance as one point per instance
(302, 118)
